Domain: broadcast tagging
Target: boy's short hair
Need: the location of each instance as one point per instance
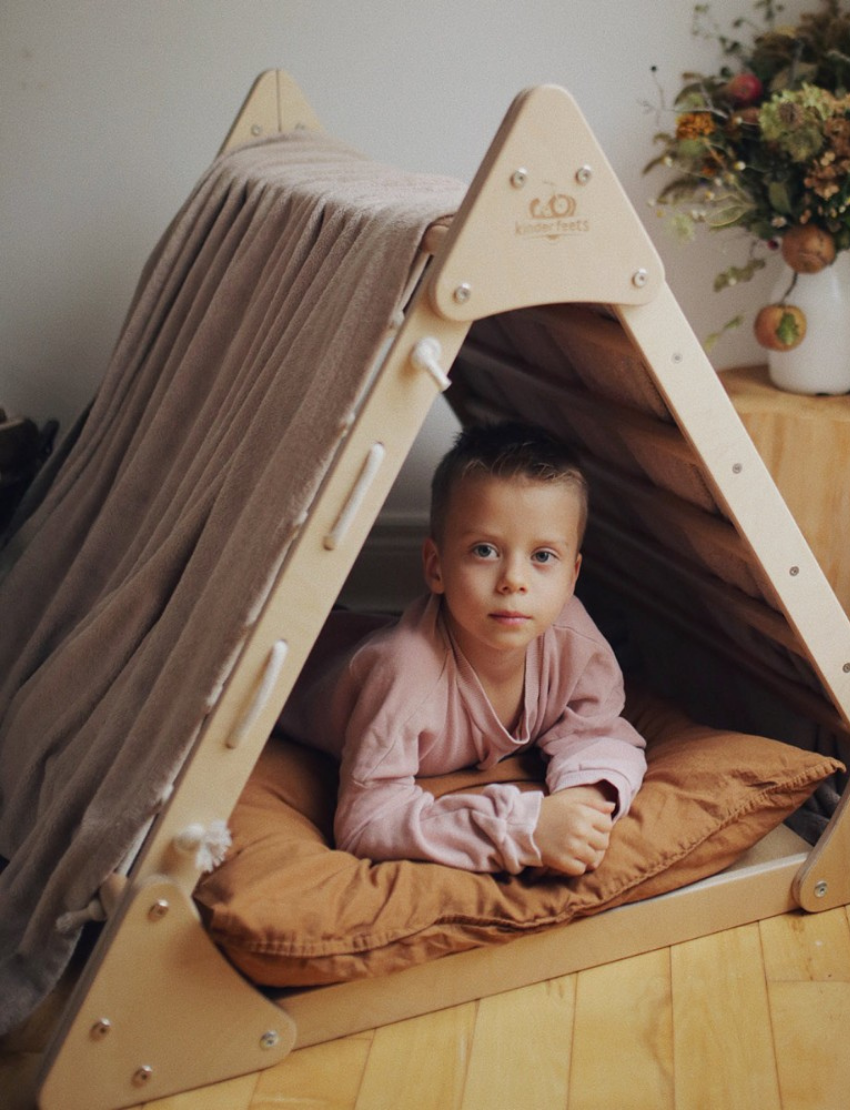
(507, 450)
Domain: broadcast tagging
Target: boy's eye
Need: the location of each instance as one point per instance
(544, 556)
(484, 550)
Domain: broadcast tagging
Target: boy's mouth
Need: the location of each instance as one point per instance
(509, 618)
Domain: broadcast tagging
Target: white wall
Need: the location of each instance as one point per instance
(110, 109)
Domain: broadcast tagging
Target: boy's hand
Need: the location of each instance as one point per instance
(574, 829)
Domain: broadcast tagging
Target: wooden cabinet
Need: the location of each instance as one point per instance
(805, 443)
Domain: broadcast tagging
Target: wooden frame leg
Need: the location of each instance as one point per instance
(166, 1014)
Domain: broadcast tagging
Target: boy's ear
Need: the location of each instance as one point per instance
(431, 567)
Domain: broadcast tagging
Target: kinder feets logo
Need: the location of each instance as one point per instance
(552, 217)
(559, 206)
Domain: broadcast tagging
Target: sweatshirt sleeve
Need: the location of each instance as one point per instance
(393, 818)
(590, 741)
(382, 813)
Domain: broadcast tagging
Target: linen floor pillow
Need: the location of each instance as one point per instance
(290, 910)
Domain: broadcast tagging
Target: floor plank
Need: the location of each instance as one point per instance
(324, 1077)
(741, 1019)
(232, 1094)
(521, 1050)
(419, 1063)
(807, 969)
(623, 1045)
(802, 947)
(810, 1021)
(722, 1041)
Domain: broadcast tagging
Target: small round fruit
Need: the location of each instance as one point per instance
(780, 327)
(808, 249)
(743, 88)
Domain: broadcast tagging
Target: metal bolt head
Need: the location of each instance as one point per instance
(462, 293)
(100, 1029)
(640, 278)
(519, 177)
(269, 1039)
(821, 888)
(794, 571)
(256, 129)
(737, 468)
(159, 909)
(846, 668)
(142, 1075)
(584, 174)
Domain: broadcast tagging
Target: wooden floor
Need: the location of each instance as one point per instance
(755, 1018)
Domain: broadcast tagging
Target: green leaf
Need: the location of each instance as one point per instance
(780, 201)
(692, 148)
(712, 339)
(655, 162)
(734, 275)
(788, 330)
(680, 189)
(729, 214)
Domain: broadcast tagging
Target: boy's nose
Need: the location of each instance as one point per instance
(512, 578)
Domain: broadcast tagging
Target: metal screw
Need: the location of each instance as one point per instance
(142, 1075)
(158, 910)
(462, 293)
(100, 1029)
(846, 668)
(256, 129)
(794, 571)
(821, 888)
(519, 177)
(584, 174)
(677, 357)
(640, 278)
(737, 468)
(269, 1039)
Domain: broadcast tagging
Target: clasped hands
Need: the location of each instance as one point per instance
(574, 829)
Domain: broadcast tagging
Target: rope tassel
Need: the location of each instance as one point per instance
(209, 844)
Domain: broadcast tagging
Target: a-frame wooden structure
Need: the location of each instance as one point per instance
(543, 298)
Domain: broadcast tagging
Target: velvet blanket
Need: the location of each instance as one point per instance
(129, 589)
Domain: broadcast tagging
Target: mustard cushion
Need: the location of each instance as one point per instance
(289, 910)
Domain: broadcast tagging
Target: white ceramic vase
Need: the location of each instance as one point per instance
(821, 363)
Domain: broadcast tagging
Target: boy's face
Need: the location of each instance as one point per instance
(507, 562)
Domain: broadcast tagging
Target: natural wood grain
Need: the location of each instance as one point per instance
(810, 1021)
(801, 947)
(232, 1094)
(419, 1063)
(807, 968)
(747, 1018)
(723, 1049)
(801, 439)
(325, 1077)
(521, 1052)
(623, 1044)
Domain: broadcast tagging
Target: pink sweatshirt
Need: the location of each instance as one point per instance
(406, 703)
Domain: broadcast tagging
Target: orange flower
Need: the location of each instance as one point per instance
(694, 125)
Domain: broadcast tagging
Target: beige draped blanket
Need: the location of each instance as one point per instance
(127, 591)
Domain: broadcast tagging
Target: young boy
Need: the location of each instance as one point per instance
(498, 656)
